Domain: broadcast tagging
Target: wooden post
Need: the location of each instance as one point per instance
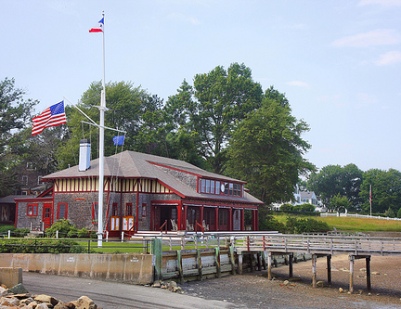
(259, 257)
(240, 257)
(264, 254)
(329, 268)
(179, 264)
(156, 250)
(290, 259)
(199, 262)
(314, 260)
(351, 273)
(368, 284)
(232, 260)
(269, 265)
(217, 261)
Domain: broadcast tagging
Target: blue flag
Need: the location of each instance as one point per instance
(118, 140)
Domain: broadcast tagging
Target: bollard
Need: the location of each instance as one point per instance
(9, 234)
(122, 236)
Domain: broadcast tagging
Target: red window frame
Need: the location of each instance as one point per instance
(32, 210)
(59, 206)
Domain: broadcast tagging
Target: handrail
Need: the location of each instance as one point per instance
(163, 226)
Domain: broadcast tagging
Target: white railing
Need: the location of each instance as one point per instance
(336, 214)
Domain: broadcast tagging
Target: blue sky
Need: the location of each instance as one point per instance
(337, 61)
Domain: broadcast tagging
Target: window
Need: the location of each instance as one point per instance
(114, 209)
(128, 209)
(24, 180)
(32, 210)
(144, 209)
(62, 211)
(39, 180)
(94, 212)
(211, 186)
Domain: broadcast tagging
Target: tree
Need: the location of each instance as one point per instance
(183, 139)
(266, 150)
(223, 98)
(130, 109)
(15, 114)
(338, 202)
(332, 180)
(386, 190)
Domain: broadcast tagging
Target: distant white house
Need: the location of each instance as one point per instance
(303, 197)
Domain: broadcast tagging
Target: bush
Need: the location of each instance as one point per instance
(308, 225)
(21, 232)
(37, 245)
(64, 227)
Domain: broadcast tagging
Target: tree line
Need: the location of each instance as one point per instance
(223, 122)
(374, 191)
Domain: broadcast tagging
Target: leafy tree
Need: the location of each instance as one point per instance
(337, 202)
(334, 179)
(130, 109)
(386, 190)
(182, 137)
(221, 99)
(266, 150)
(15, 114)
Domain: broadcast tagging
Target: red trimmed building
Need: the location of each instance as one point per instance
(141, 192)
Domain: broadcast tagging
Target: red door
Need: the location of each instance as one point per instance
(47, 215)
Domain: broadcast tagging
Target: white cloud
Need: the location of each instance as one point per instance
(387, 3)
(371, 38)
(391, 57)
(298, 83)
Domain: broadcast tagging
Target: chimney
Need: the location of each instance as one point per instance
(84, 155)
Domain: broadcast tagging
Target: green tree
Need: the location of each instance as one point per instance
(223, 97)
(338, 202)
(266, 150)
(334, 179)
(15, 115)
(130, 109)
(386, 190)
(183, 139)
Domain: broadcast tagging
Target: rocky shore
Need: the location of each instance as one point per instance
(19, 297)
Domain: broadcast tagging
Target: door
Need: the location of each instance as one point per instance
(47, 217)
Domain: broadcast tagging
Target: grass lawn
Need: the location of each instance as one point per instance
(354, 224)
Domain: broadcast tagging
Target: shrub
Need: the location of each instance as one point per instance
(37, 245)
(63, 226)
(308, 225)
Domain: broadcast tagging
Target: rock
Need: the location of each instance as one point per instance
(42, 306)
(362, 269)
(341, 290)
(286, 282)
(375, 273)
(42, 298)
(84, 302)
(18, 289)
(320, 284)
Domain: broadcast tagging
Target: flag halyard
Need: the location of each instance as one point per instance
(51, 117)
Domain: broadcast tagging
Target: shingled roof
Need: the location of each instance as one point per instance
(131, 164)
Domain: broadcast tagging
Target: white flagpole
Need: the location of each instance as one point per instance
(101, 151)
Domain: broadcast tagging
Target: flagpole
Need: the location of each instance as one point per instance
(101, 149)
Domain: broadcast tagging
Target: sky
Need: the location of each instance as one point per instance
(337, 61)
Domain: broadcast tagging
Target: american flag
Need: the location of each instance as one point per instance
(51, 117)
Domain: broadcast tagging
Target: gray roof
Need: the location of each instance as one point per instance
(10, 199)
(131, 164)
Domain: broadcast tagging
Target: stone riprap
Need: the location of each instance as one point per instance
(19, 297)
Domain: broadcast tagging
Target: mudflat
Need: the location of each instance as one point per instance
(254, 290)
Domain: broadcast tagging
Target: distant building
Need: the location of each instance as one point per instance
(302, 197)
